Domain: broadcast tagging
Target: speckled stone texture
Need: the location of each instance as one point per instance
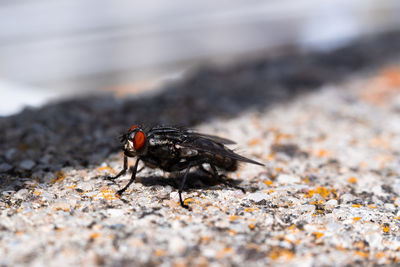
(327, 126)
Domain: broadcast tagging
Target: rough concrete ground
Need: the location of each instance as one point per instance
(326, 125)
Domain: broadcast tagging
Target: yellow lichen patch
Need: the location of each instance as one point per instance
(104, 168)
(63, 209)
(359, 245)
(380, 254)
(188, 200)
(379, 142)
(267, 182)
(383, 159)
(361, 254)
(270, 157)
(205, 239)
(234, 217)
(37, 192)
(254, 142)
(356, 205)
(324, 192)
(278, 252)
(94, 235)
(318, 202)
(107, 193)
(222, 253)
(71, 186)
(322, 153)
(281, 136)
(371, 206)
(250, 209)
(317, 235)
(232, 232)
(355, 219)
(159, 252)
(352, 180)
(59, 176)
(385, 227)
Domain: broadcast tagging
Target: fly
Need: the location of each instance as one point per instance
(175, 149)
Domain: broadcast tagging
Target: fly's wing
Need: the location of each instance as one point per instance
(213, 138)
(181, 134)
(203, 143)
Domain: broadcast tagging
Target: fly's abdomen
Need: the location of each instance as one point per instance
(225, 163)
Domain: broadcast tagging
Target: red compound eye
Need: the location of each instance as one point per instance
(133, 127)
(139, 140)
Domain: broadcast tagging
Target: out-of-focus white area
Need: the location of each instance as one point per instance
(58, 48)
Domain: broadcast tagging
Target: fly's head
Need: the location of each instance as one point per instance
(134, 141)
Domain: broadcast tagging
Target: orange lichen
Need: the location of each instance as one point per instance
(356, 205)
(355, 219)
(322, 191)
(383, 86)
(104, 168)
(278, 252)
(94, 235)
(232, 232)
(322, 153)
(317, 235)
(361, 254)
(385, 228)
(234, 217)
(254, 142)
(59, 176)
(63, 209)
(188, 200)
(379, 142)
(71, 186)
(267, 182)
(380, 255)
(107, 193)
(37, 192)
(352, 180)
(250, 209)
(159, 252)
(252, 226)
(222, 253)
(270, 157)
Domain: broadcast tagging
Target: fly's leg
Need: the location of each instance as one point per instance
(134, 171)
(121, 172)
(181, 187)
(221, 179)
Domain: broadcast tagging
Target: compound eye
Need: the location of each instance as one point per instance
(139, 140)
(133, 127)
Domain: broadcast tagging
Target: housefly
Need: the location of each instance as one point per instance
(175, 149)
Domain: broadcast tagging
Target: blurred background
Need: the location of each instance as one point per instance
(52, 50)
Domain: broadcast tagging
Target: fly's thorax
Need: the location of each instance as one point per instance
(186, 152)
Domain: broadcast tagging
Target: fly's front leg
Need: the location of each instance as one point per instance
(134, 171)
(121, 172)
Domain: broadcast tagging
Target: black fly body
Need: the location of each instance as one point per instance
(175, 149)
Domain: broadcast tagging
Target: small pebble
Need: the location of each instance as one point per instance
(27, 164)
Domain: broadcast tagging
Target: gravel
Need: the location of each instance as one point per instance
(325, 125)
